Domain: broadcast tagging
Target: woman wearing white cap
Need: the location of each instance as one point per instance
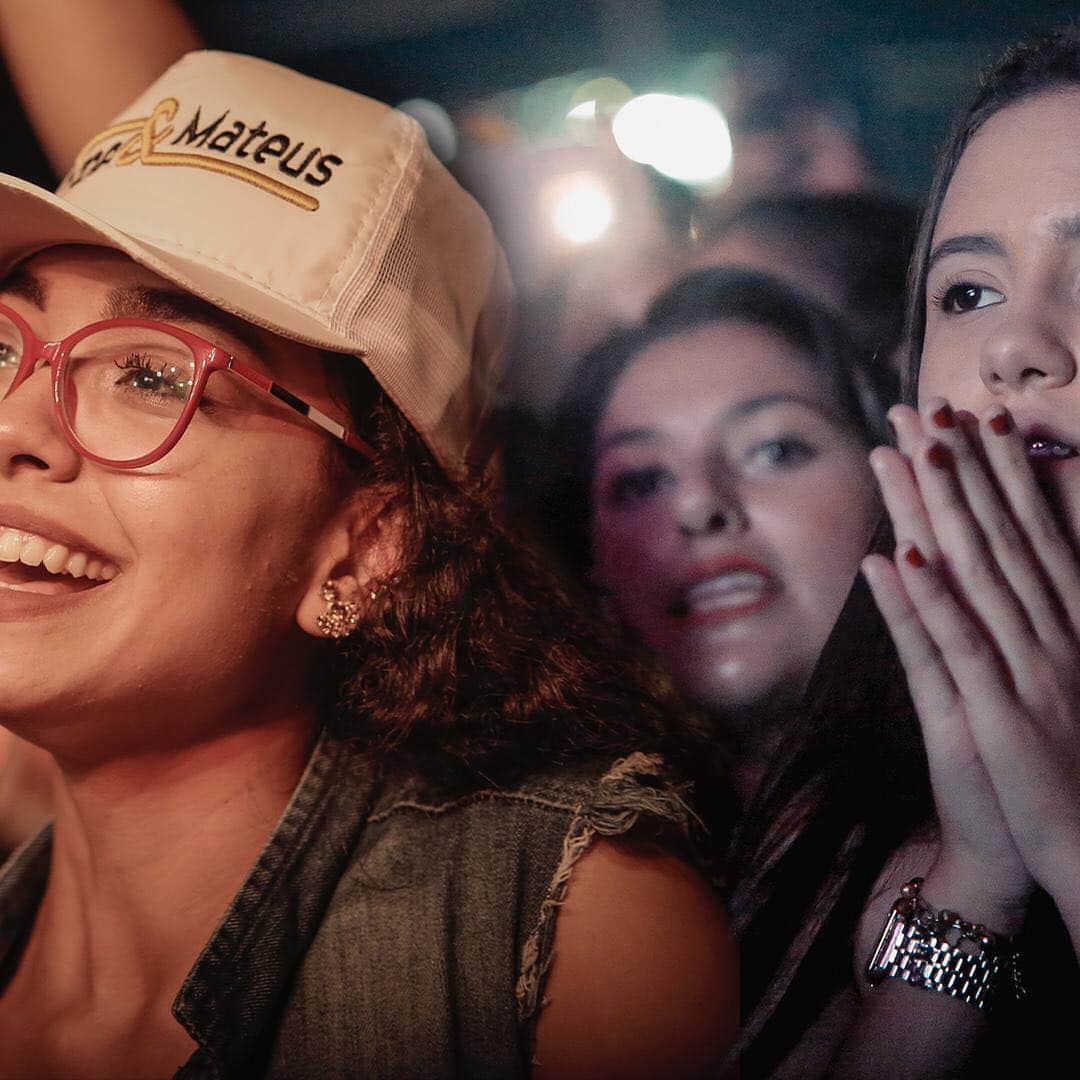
(312, 718)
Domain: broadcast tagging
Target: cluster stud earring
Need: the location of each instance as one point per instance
(341, 617)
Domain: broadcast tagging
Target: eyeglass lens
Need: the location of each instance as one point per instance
(123, 390)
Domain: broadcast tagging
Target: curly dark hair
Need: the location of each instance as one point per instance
(861, 238)
(479, 662)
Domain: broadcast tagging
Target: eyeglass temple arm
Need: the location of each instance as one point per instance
(304, 408)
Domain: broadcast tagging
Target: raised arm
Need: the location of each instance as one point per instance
(76, 64)
(983, 602)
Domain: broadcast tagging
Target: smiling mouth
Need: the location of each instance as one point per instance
(36, 564)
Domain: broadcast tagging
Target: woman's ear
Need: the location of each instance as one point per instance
(359, 549)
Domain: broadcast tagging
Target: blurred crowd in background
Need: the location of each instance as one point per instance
(618, 143)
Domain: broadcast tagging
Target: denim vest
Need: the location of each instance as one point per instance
(383, 931)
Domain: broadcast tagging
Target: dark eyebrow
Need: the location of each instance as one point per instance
(1065, 229)
(739, 411)
(967, 244)
(168, 305)
(20, 282)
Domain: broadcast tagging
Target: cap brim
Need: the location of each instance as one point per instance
(35, 219)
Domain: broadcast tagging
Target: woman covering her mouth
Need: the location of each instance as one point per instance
(715, 490)
(343, 793)
(965, 958)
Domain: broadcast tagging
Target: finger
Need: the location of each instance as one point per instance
(966, 650)
(907, 427)
(929, 681)
(973, 569)
(903, 503)
(965, 799)
(993, 515)
(1008, 456)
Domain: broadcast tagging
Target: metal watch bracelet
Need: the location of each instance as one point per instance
(941, 952)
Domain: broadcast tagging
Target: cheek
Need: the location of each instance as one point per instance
(629, 551)
(820, 531)
(949, 368)
(235, 544)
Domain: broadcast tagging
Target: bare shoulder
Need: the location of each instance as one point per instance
(644, 975)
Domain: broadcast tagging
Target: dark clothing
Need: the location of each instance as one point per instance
(385, 931)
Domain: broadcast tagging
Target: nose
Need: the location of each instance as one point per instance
(1027, 353)
(706, 507)
(30, 437)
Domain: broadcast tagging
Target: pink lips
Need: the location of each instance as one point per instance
(17, 604)
(722, 590)
(29, 591)
(17, 517)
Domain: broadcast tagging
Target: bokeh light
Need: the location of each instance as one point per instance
(580, 207)
(685, 138)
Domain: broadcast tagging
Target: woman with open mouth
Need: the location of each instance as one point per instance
(716, 491)
(347, 786)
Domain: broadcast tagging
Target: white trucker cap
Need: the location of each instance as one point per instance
(306, 209)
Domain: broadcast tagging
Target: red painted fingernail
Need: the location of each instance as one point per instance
(1001, 424)
(939, 456)
(914, 557)
(965, 417)
(943, 417)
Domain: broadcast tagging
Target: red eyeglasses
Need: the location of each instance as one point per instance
(125, 390)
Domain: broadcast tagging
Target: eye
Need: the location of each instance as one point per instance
(635, 485)
(787, 452)
(9, 355)
(155, 376)
(963, 296)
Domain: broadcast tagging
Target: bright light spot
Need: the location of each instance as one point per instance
(580, 207)
(608, 93)
(686, 138)
(585, 111)
(435, 120)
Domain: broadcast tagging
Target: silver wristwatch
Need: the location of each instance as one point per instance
(939, 951)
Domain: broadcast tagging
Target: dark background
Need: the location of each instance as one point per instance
(898, 68)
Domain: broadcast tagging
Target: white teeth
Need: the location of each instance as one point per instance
(56, 558)
(11, 543)
(1047, 448)
(31, 550)
(727, 590)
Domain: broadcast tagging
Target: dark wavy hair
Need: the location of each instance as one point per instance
(853, 784)
(715, 294)
(861, 238)
(478, 662)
